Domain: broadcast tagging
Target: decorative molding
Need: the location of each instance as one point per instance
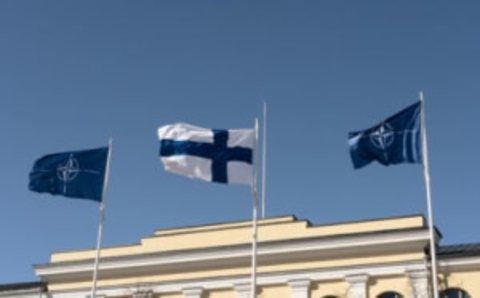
(193, 292)
(419, 283)
(243, 290)
(358, 285)
(300, 288)
(318, 247)
(143, 294)
(373, 270)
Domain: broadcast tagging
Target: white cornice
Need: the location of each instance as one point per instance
(226, 257)
(398, 269)
(375, 270)
(460, 263)
(30, 293)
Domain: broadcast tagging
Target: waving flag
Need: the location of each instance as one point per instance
(74, 174)
(392, 141)
(213, 155)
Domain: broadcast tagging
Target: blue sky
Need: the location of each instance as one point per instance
(74, 73)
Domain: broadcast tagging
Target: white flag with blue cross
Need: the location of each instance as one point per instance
(213, 155)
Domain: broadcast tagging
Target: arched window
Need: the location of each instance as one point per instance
(330, 296)
(389, 295)
(454, 293)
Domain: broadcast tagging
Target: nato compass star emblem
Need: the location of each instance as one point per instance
(68, 171)
(382, 137)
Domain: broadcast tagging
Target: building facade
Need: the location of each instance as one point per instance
(381, 258)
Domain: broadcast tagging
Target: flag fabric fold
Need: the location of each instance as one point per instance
(74, 174)
(395, 140)
(213, 155)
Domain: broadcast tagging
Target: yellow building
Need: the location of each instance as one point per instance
(383, 258)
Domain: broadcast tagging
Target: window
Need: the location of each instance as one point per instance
(389, 295)
(330, 296)
(454, 293)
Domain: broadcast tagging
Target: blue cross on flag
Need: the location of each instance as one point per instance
(392, 141)
(213, 155)
(74, 174)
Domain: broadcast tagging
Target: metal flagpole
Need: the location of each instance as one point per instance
(254, 220)
(101, 220)
(426, 172)
(264, 161)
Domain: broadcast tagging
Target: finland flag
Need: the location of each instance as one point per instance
(214, 155)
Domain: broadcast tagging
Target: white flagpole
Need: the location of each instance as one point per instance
(264, 161)
(254, 220)
(103, 205)
(426, 172)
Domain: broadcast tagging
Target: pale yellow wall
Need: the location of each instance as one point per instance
(277, 291)
(285, 228)
(370, 226)
(229, 225)
(221, 294)
(322, 289)
(400, 285)
(467, 280)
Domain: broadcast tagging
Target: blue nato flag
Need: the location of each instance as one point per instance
(395, 140)
(74, 174)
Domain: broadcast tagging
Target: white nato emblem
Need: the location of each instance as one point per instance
(383, 136)
(69, 170)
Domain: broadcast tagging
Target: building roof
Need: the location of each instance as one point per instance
(459, 250)
(23, 286)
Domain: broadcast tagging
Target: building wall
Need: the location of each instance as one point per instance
(221, 294)
(274, 291)
(466, 280)
(237, 233)
(380, 285)
(295, 260)
(329, 288)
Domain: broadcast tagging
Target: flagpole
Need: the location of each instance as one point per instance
(264, 161)
(254, 219)
(426, 172)
(102, 208)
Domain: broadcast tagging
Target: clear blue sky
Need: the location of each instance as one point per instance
(74, 73)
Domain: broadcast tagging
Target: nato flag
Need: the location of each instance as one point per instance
(74, 174)
(392, 141)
